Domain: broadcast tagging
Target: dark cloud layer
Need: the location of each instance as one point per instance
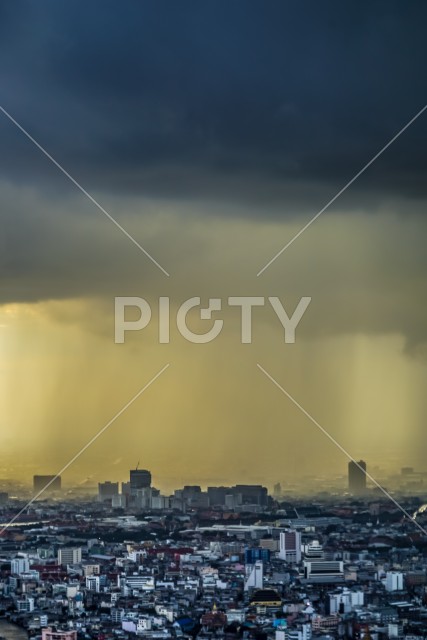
(196, 98)
(213, 131)
(265, 107)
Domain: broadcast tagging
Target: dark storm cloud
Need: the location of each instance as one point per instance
(244, 99)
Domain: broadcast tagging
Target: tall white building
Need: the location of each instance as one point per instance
(19, 565)
(143, 497)
(394, 581)
(254, 576)
(118, 501)
(345, 601)
(93, 583)
(160, 502)
(290, 546)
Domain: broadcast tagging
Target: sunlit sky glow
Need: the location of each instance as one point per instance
(212, 132)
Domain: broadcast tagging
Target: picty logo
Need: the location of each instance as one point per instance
(246, 303)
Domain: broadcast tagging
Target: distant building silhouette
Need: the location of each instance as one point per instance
(106, 490)
(407, 471)
(40, 482)
(357, 477)
(139, 479)
(251, 494)
(241, 494)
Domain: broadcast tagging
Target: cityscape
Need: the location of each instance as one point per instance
(213, 320)
(227, 562)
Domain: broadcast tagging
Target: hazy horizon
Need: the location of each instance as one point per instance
(212, 134)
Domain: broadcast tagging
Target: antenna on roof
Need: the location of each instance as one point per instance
(136, 468)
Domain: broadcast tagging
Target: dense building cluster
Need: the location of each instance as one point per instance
(241, 567)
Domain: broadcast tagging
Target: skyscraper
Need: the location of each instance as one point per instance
(139, 479)
(106, 490)
(357, 477)
(290, 546)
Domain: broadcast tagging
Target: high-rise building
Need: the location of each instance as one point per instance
(19, 565)
(290, 546)
(69, 555)
(252, 554)
(241, 494)
(126, 488)
(251, 493)
(40, 483)
(394, 581)
(119, 501)
(357, 477)
(106, 490)
(217, 495)
(143, 497)
(139, 479)
(254, 575)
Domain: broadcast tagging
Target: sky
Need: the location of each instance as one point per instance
(212, 132)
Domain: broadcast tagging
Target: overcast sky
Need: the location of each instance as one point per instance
(212, 132)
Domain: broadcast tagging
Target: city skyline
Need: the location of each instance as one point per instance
(172, 141)
(405, 479)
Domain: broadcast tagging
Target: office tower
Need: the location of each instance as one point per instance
(142, 498)
(254, 576)
(139, 479)
(190, 493)
(126, 488)
(256, 553)
(69, 555)
(251, 494)
(357, 477)
(217, 495)
(324, 571)
(19, 565)
(193, 496)
(160, 502)
(93, 583)
(344, 601)
(40, 482)
(232, 501)
(290, 546)
(118, 501)
(394, 581)
(106, 490)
